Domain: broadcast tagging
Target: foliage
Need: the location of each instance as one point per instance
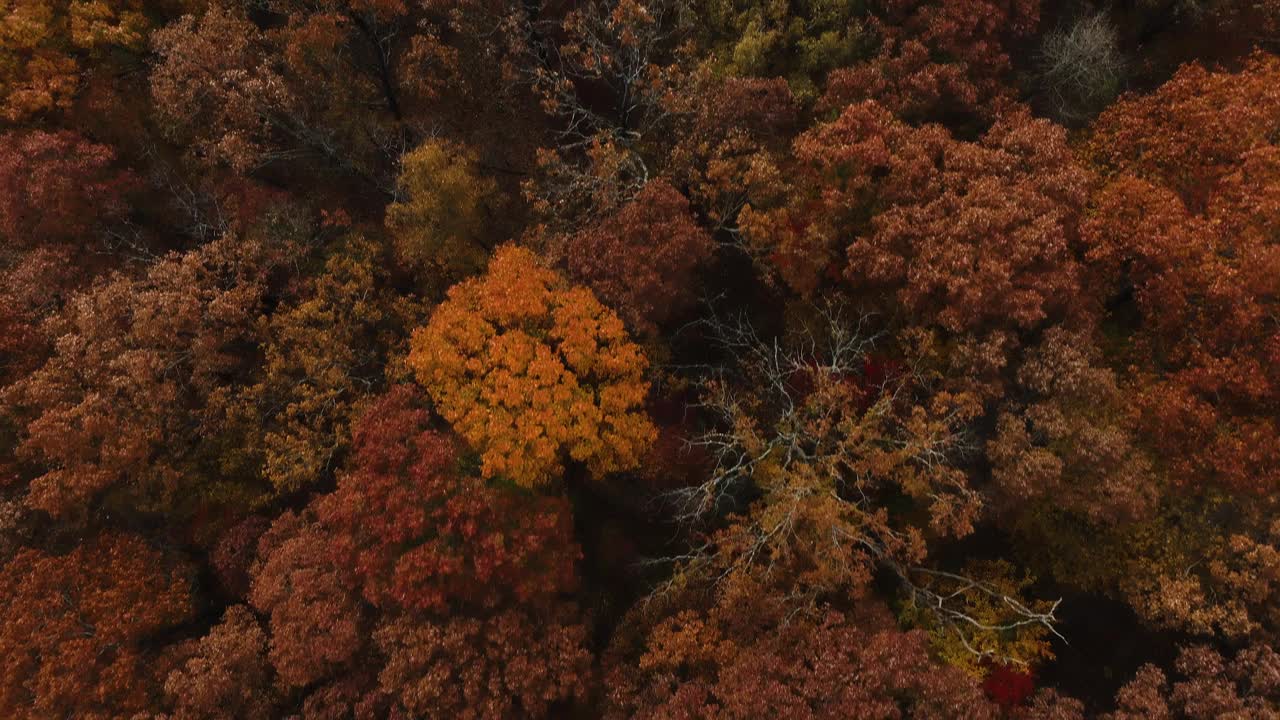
(484, 669)
(1072, 439)
(730, 132)
(76, 636)
(443, 210)
(529, 369)
(120, 402)
(58, 188)
(833, 666)
(420, 536)
(818, 449)
(367, 359)
(937, 58)
(1210, 686)
(315, 619)
(641, 260)
(216, 68)
(799, 41)
(227, 674)
(324, 354)
(970, 244)
(603, 70)
(1189, 132)
(970, 621)
(46, 46)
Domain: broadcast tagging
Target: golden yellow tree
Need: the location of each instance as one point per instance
(439, 218)
(44, 45)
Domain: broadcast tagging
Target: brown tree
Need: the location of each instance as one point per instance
(316, 621)
(486, 669)
(722, 664)
(1209, 686)
(119, 404)
(641, 260)
(227, 676)
(970, 244)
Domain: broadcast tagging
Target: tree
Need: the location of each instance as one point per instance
(1190, 132)
(443, 209)
(530, 370)
(810, 452)
(75, 639)
(465, 578)
(218, 68)
(421, 535)
(32, 289)
(971, 244)
(1212, 31)
(326, 87)
(990, 243)
(601, 70)
(800, 41)
(1200, 563)
(227, 675)
(937, 59)
(1081, 68)
(1073, 442)
(485, 669)
(722, 664)
(60, 198)
(728, 138)
(1211, 686)
(235, 552)
(46, 46)
(316, 621)
(58, 188)
(1186, 225)
(641, 260)
(324, 353)
(353, 695)
(120, 403)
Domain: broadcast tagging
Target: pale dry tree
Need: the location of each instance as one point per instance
(1081, 69)
(809, 450)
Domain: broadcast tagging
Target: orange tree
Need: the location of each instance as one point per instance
(531, 370)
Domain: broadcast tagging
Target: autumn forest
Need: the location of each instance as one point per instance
(656, 359)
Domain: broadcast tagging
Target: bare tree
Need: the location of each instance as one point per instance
(603, 70)
(811, 438)
(1081, 68)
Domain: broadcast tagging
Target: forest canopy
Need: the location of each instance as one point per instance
(657, 359)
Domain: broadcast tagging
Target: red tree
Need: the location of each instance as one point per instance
(421, 535)
(58, 187)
